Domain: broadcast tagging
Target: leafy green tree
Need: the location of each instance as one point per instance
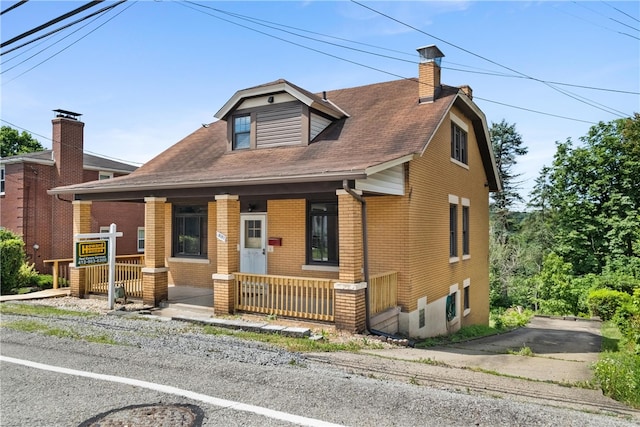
(594, 196)
(13, 142)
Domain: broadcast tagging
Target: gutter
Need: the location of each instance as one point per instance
(365, 255)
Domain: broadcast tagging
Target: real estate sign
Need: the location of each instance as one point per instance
(92, 252)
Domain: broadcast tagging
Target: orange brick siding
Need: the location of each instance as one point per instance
(350, 310)
(350, 226)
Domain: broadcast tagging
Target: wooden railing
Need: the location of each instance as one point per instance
(300, 297)
(128, 273)
(60, 273)
(383, 292)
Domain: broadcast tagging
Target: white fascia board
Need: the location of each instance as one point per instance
(383, 166)
(26, 160)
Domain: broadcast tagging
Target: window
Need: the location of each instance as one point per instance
(105, 228)
(458, 144)
(465, 230)
(2, 179)
(105, 175)
(453, 230)
(467, 298)
(190, 231)
(140, 239)
(241, 132)
(451, 309)
(323, 233)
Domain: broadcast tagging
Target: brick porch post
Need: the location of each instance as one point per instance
(228, 257)
(81, 225)
(349, 312)
(155, 277)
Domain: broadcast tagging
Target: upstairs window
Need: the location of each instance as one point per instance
(453, 231)
(105, 175)
(190, 231)
(322, 230)
(458, 144)
(241, 132)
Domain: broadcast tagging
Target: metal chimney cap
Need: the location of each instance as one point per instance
(430, 53)
(67, 114)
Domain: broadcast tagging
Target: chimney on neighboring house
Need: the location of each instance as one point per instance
(466, 89)
(429, 73)
(68, 147)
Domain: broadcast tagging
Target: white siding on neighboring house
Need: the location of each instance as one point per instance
(388, 181)
(318, 124)
(279, 126)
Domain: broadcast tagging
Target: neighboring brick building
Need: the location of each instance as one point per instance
(45, 221)
(344, 185)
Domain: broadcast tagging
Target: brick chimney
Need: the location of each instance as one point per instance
(68, 146)
(429, 73)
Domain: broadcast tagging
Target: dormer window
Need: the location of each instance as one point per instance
(242, 132)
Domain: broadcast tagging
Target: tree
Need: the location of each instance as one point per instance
(11, 258)
(507, 146)
(13, 142)
(594, 196)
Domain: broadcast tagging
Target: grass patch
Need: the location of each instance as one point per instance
(34, 326)
(299, 345)
(40, 310)
(524, 351)
(610, 336)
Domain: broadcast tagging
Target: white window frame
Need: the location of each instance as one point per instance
(453, 200)
(455, 120)
(102, 175)
(454, 290)
(466, 291)
(2, 179)
(466, 203)
(138, 240)
(105, 229)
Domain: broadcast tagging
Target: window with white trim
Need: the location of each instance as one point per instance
(104, 175)
(2, 179)
(459, 144)
(105, 229)
(465, 231)
(140, 239)
(453, 230)
(467, 298)
(241, 132)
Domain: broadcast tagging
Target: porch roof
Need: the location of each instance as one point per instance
(385, 123)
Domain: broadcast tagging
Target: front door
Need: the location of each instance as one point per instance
(253, 244)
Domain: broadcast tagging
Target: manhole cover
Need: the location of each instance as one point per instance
(149, 416)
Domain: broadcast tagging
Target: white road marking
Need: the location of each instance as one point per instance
(229, 404)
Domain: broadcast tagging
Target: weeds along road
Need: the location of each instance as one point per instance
(69, 371)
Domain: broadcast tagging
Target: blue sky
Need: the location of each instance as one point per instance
(149, 73)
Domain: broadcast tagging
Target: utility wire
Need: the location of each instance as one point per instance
(596, 24)
(51, 22)
(68, 46)
(10, 8)
(488, 60)
(600, 15)
(360, 64)
(68, 145)
(104, 9)
(622, 12)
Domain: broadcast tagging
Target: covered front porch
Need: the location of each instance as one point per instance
(338, 296)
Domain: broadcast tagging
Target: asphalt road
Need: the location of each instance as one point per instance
(161, 382)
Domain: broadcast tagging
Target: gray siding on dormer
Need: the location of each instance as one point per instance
(279, 126)
(318, 124)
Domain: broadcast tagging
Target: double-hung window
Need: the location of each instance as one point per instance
(242, 132)
(458, 144)
(140, 239)
(322, 228)
(190, 231)
(2, 179)
(465, 230)
(453, 230)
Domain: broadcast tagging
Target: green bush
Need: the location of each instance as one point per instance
(11, 258)
(45, 281)
(619, 376)
(27, 275)
(605, 302)
(627, 318)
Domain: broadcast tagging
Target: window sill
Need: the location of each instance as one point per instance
(459, 163)
(466, 312)
(190, 260)
(453, 259)
(466, 257)
(313, 267)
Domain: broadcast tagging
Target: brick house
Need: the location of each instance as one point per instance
(45, 221)
(341, 185)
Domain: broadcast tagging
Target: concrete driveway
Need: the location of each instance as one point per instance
(563, 351)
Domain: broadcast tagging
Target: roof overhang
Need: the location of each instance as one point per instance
(310, 100)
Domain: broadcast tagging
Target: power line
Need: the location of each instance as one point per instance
(611, 111)
(68, 145)
(10, 8)
(51, 22)
(622, 12)
(66, 47)
(364, 65)
(104, 9)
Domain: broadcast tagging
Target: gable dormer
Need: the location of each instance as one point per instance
(276, 114)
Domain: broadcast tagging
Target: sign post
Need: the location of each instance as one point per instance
(93, 249)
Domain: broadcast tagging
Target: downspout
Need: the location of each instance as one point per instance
(365, 255)
(365, 250)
